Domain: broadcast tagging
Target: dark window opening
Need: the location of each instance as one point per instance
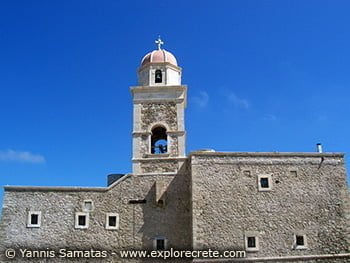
(160, 245)
(264, 182)
(112, 221)
(251, 242)
(34, 219)
(158, 76)
(159, 144)
(300, 241)
(81, 220)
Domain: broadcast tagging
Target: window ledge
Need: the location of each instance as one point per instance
(81, 227)
(300, 247)
(264, 189)
(252, 249)
(156, 155)
(33, 226)
(111, 228)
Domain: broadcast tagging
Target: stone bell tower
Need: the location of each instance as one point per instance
(159, 102)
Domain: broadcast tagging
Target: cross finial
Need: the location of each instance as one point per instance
(159, 42)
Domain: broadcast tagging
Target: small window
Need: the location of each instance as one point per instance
(160, 243)
(252, 241)
(34, 219)
(300, 241)
(112, 221)
(158, 76)
(81, 220)
(264, 182)
(88, 205)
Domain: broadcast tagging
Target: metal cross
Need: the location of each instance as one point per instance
(159, 42)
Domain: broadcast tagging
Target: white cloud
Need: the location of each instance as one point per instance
(237, 101)
(202, 99)
(270, 117)
(18, 156)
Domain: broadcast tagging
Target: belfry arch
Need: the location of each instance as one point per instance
(159, 140)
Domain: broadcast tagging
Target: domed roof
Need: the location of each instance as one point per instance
(159, 56)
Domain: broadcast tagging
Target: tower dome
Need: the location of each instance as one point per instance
(159, 56)
(159, 68)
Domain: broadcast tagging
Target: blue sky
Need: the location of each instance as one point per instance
(261, 76)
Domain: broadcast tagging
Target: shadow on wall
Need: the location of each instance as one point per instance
(169, 217)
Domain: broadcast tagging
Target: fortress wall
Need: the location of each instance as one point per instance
(308, 196)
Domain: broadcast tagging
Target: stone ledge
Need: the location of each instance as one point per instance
(142, 101)
(63, 188)
(161, 159)
(162, 88)
(278, 259)
(266, 154)
(156, 174)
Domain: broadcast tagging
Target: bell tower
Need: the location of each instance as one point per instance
(159, 102)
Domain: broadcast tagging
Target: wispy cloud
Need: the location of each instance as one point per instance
(202, 99)
(270, 117)
(19, 156)
(237, 101)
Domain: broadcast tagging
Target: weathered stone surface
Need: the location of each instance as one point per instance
(226, 203)
(173, 149)
(160, 166)
(159, 112)
(139, 223)
(210, 205)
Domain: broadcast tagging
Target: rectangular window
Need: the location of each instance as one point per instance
(112, 221)
(265, 182)
(81, 220)
(252, 241)
(160, 243)
(34, 219)
(300, 241)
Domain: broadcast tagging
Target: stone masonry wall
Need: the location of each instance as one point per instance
(159, 166)
(308, 194)
(158, 112)
(139, 223)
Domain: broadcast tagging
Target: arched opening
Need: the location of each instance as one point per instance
(158, 76)
(159, 142)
